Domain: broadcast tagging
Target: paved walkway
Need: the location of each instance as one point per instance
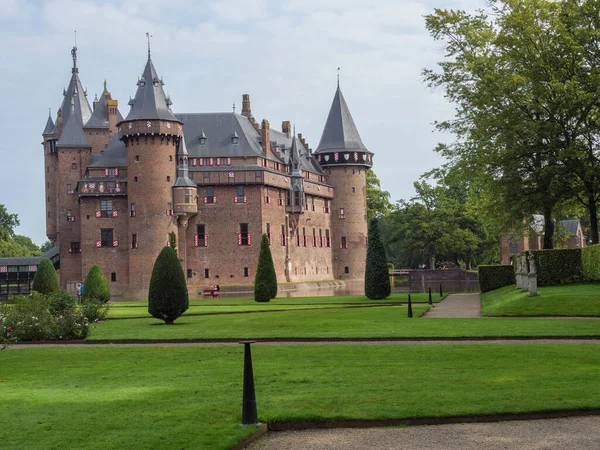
(456, 306)
(574, 433)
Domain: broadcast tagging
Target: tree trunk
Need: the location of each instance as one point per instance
(593, 220)
(548, 228)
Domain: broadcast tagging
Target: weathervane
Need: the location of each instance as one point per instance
(338, 77)
(148, 35)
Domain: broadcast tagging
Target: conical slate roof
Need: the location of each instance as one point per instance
(75, 95)
(49, 128)
(98, 119)
(340, 132)
(150, 101)
(115, 154)
(183, 178)
(72, 134)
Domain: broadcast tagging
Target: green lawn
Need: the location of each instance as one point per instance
(190, 397)
(383, 322)
(140, 309)
(565, 300)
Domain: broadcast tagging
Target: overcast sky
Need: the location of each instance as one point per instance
(283, 53)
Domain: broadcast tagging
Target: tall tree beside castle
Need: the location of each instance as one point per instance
(377, 277)
(168, 294)
(265, 271)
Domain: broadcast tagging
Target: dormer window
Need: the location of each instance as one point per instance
(235, 138)
(203, 139)
(142, 82)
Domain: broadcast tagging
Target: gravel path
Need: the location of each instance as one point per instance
(456, 306)
(572, 341)
(574, 433)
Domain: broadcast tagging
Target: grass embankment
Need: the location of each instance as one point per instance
(565, 300)
(155, 398)
(382, 322)
(140, 308)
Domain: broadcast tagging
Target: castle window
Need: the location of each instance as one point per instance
(106, 237)
(201, 236)
(113, 276)
(189, 273)
(344, 243)
(288, 201)
(297, 198)
(326, 206)
(210, 195)
(306, 204)
(327, 239)
(320, 237)
(303, 237)
(279, 198)
(312, 204)
(168, 178)
(267, 198)
(73, 166)
(244, 235)
(206, 274)
(283, 236)
(135, 179)
(240, 197)
(342, 213)
(206, 174)
(189, 196)
(137, 158)
(69, 215)
(75, 247)
(245, 271)
(134, 241)
(346, 269)
(170, 157)
(269, 232)
(314, 237)
(69, 188)
(106, 208)
(132, 210)
(353, 190)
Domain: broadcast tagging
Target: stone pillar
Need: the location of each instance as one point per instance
(518, 272)
(524, 273)
(532, 276)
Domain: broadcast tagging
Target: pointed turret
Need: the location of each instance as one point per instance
(49, 128)
(183, 178)
(72, 134)
(75, 96)
(297, 181)
(150, 101)
(99, 118)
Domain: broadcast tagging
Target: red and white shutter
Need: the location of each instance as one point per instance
(115, 214)
(196, 241)
(249, 238)
(116, 172)
(98, 214)
(106, 172)
(98, 244)
(239, 238)
(206, 239)
(115, 243)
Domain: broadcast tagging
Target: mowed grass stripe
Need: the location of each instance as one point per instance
(382, 322)
(191, 397)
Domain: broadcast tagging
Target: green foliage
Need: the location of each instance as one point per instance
(261, 292)
(46, 246)
(168, 294)
(265, 270)
(26, 242)
(590, 262)
(45, 280)
(377, 277)
(173, 241)
(493, 277)
(95, 286)
(61, 302)
(8, 222)
(378, 201)
(95, 311)
(10, 249)
(558, 266)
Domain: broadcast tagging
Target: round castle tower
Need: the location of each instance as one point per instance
(151, 133)
(345, 159)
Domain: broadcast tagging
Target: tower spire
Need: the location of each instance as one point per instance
(74, 56)
(148, 35)
(338, 77)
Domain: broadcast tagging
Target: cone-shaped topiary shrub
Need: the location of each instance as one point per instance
(168, 294)
(95, 287)
(265, 271)
(261, 292)
(377, 277)
(46, 280)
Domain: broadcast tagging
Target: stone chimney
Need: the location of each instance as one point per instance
(266, 137)
(246, 111)
(303, 140)
(59, 121)
(112, 107)
(95, 102)
(286, 128)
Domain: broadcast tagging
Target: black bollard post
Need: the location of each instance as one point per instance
(441, 295)
(249, 414)
(430, 301)
(409, 306)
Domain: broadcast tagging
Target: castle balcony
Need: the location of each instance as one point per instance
(184, 201)
(101, 186)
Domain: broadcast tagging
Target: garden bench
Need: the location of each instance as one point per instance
(211, 293)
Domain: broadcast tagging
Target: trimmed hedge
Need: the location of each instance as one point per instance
(265, 271)
(590, 262)
(45, 280)
(492, 277)
(377, 275)
(558, 266)
(95, 286)
(168, 294)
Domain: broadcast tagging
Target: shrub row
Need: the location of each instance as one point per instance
(590, 262)
(493, 277)
(558, 266)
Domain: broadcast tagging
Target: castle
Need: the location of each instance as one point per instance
(117, 188)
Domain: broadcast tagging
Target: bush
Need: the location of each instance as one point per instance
(492, 277)
(168, 294)
(95, 286)
(261, 292)
(590, 262)
(558, 266)
(265, 270)
(61, 302)
(45, 280)
(377, 276)
(95, 311)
